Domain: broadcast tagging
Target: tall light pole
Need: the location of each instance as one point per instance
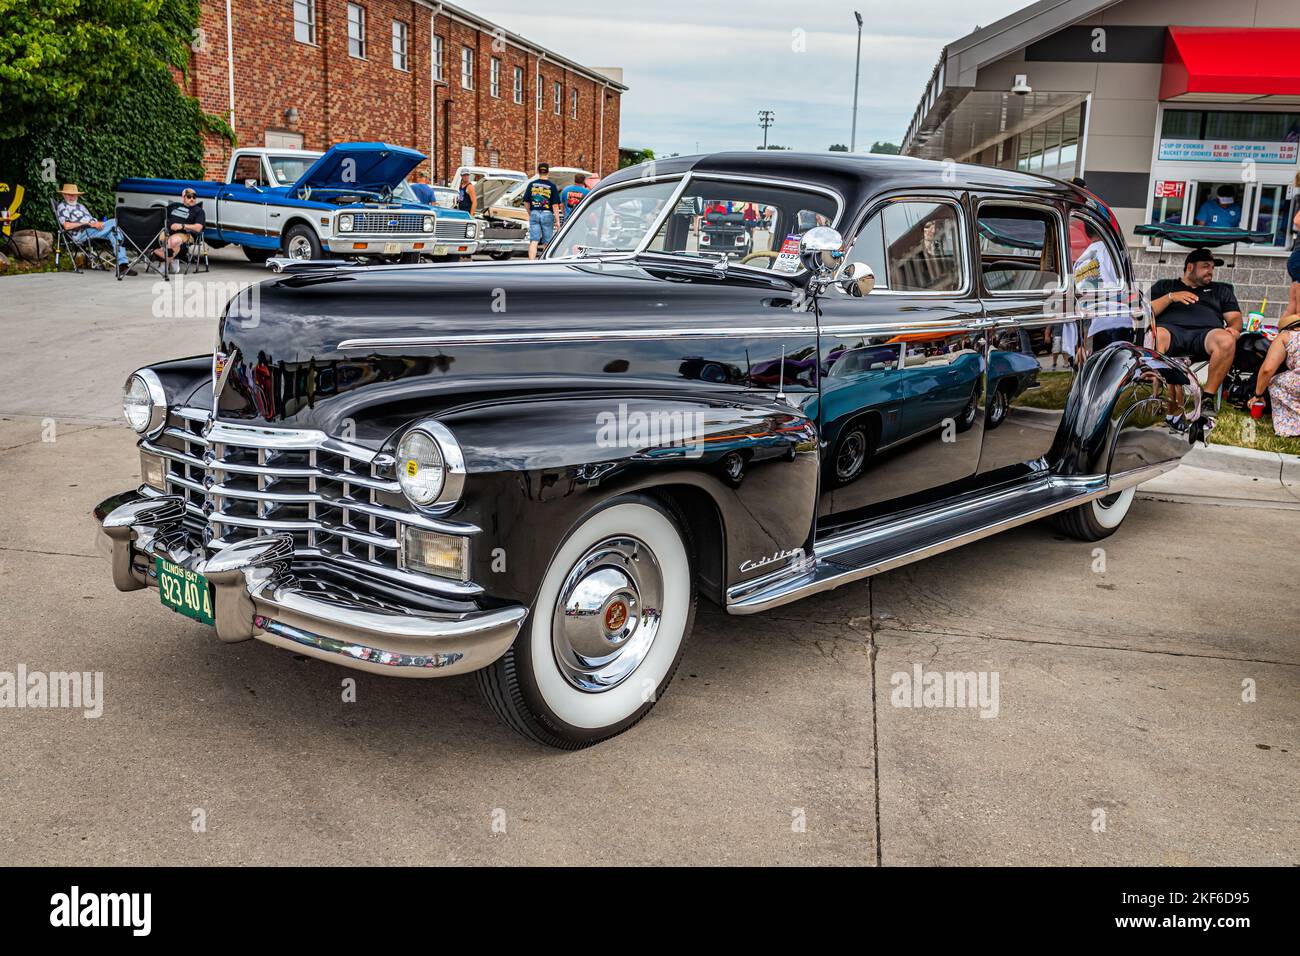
(857, 70)
(765, 119)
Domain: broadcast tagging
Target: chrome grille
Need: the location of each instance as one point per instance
(339, 501)
(388, 222)
(452, 229)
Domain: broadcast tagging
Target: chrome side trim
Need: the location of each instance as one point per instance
(537, 338)
(805, 578)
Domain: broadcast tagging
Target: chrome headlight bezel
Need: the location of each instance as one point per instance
(157, 397)
(453, 465)
(428, 223)
(471, 231)
(346, 222)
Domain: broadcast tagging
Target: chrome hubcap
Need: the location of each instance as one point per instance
(851, 455)
(608, 614)
(299, 248)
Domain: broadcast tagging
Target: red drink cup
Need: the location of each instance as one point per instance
(1256, 409)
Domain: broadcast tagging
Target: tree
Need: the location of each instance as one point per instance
(58, 57)
(880, 146)
(773, 146)
(839, 148)
(629, 156)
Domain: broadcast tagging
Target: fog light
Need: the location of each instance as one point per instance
(429, 552)
(152, 471)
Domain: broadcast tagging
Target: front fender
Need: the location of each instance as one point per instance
(742, 472)
(1114, 419)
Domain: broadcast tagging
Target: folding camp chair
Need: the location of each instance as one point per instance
(97, 252)
(142, 232)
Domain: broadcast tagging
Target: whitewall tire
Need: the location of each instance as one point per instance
(606, 632)
(1098, 518)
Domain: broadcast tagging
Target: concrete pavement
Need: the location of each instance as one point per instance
(1147, 707)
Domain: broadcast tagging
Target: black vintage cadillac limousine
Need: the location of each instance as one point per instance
(530, 470)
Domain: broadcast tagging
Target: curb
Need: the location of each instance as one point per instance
(1272, 465)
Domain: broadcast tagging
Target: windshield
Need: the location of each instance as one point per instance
(445, 198)
(615, 221)
(750, 224)
(289, 169)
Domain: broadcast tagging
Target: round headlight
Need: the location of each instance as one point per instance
(345, 223)
(421, 470)
(144, 403)
(428, 224)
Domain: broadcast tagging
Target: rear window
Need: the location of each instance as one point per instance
(1019, 248)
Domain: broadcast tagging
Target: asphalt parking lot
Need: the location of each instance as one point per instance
(1148, 704)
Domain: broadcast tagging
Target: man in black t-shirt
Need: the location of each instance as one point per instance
(1198, 317)
(185, 222)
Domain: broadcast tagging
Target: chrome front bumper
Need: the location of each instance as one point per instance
(257, 596)
(380, 245)
(504, 245)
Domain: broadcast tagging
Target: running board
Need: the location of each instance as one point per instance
(882, 546)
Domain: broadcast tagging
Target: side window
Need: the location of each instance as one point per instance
(1019, 248)
(249, 167)
(912, 246)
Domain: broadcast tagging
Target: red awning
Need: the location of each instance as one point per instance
(1226, 62)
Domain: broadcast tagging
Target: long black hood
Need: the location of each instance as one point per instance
(383, 344)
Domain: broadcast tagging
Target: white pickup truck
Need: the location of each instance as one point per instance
(350, 201)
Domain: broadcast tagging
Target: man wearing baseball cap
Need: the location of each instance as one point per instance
(1198, 317)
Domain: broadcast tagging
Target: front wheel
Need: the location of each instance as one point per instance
(606, 632)
(1098, 518)
(301, 242)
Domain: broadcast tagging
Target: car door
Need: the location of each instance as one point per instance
(1021, 258)
(903, 368)
(241, 208)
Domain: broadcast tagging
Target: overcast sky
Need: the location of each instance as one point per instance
(698, 71)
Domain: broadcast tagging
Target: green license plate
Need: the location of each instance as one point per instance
(186, 592)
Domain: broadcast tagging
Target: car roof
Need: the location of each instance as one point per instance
(854, 175)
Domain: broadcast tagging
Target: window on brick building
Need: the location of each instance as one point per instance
(494, 85)
(356, 31)
(519, 84)
(466, 68)
(573, 103)
(399, 45)
(438, 72)
(304, 21)
(559, 97)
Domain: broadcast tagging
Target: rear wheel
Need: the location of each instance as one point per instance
(999, 404)
(1098, 518)
(606, 632)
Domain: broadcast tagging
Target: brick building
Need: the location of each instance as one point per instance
(309, 73)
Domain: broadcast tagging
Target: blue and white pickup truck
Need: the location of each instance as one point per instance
(351, 201)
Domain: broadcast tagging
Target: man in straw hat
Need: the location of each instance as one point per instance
(82, 226)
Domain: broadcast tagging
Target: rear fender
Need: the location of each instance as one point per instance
(1114, 419)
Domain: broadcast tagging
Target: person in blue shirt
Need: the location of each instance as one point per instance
(570, 196)
(542, 197)
(1223, 210)
(422, 191)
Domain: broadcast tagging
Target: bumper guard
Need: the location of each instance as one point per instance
(257, 596)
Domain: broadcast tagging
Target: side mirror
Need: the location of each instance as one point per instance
(856, 279)
(819, 251)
